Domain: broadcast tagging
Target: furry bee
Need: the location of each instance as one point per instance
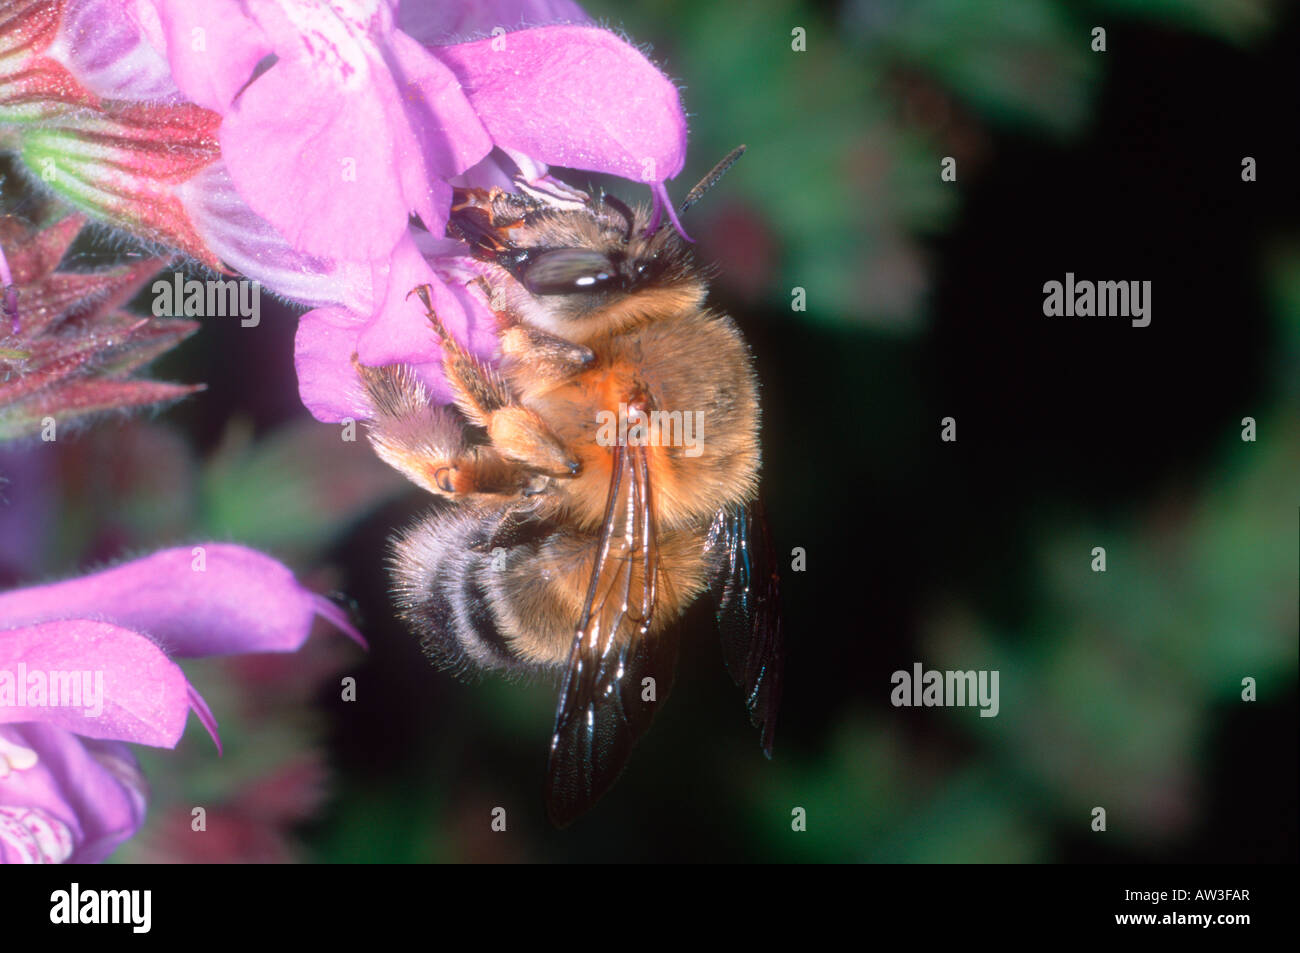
(577, 533)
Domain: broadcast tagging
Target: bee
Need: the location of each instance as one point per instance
(601, 474)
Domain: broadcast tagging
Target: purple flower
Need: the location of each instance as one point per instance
(87, 664)
(338, 126)
(545, 96)
(65, 799)
(97, 123)
(338, 122)
(441, 24)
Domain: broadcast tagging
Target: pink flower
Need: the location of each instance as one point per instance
(68, 109)
(335, 125)
(87, 664)
(442, 24)
(338, 126)
(564, 95)
(340, 121)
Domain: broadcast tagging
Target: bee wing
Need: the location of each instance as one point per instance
(601, 711)
(748, 590)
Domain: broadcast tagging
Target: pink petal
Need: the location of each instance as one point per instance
(323, 349)
(79, 801)
(249, 244)
(575, 96)
(664, 203)
(213, 48)
(144, 694)
(480, 329)
(321, 164)
(105, 47)
(451, 136)
(333, 613)
(321, 143)
(399, 331)
(496, 170)
(318, 166)
(437, 23)
(204, 713)
(211, 599)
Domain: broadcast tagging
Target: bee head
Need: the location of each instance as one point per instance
(579, 264)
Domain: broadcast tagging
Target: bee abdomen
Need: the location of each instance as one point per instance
(442, 586)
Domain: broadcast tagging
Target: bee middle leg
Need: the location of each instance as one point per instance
(484, 397)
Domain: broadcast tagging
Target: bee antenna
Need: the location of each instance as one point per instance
(710, 180)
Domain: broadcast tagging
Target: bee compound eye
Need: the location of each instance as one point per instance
(566, 271)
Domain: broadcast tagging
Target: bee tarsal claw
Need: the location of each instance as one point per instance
(424, 292)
